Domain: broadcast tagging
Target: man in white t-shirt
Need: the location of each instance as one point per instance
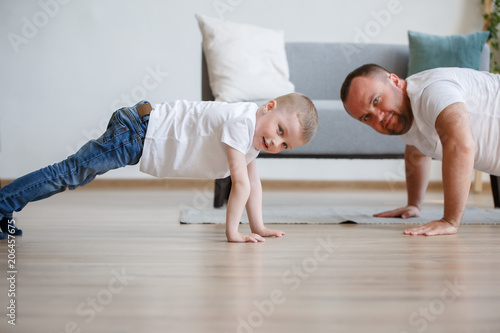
(181, 139)
(450, 114)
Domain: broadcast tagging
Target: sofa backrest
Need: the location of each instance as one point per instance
(318, 69)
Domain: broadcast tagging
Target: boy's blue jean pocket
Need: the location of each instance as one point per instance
(115, 127)
(120, 145)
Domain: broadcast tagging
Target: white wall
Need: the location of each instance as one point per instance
(67, 65)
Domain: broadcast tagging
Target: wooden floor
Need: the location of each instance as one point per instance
(117, 260)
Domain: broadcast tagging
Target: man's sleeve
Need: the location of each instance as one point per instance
(438, 96)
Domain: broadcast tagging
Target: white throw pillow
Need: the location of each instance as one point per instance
(244, 62)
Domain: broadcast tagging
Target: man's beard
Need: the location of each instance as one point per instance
(405, 118)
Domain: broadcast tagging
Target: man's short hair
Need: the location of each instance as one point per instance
(372, 70)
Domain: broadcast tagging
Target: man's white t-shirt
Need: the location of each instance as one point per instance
(187, 139)
(431, 91)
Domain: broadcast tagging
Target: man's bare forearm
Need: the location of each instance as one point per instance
(417, 175)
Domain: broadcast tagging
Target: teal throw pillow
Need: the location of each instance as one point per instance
(431, 51)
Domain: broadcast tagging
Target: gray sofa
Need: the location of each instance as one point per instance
(318, 70)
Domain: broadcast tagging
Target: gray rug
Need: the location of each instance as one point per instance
(287, 215)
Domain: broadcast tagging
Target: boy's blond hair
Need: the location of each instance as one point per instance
(305, 110)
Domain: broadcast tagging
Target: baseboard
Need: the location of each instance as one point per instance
(266, 184)
(345, 185)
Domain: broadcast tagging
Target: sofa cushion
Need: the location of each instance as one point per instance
(431, 51)
(244, 62)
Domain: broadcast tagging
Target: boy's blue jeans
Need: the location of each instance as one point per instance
(120, 145)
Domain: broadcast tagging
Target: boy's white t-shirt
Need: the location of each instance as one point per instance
(187, 139)
(431, 91)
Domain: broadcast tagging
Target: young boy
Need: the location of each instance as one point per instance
(181, 139)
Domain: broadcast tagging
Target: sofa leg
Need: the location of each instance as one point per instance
(221, 192)
(495, 188)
